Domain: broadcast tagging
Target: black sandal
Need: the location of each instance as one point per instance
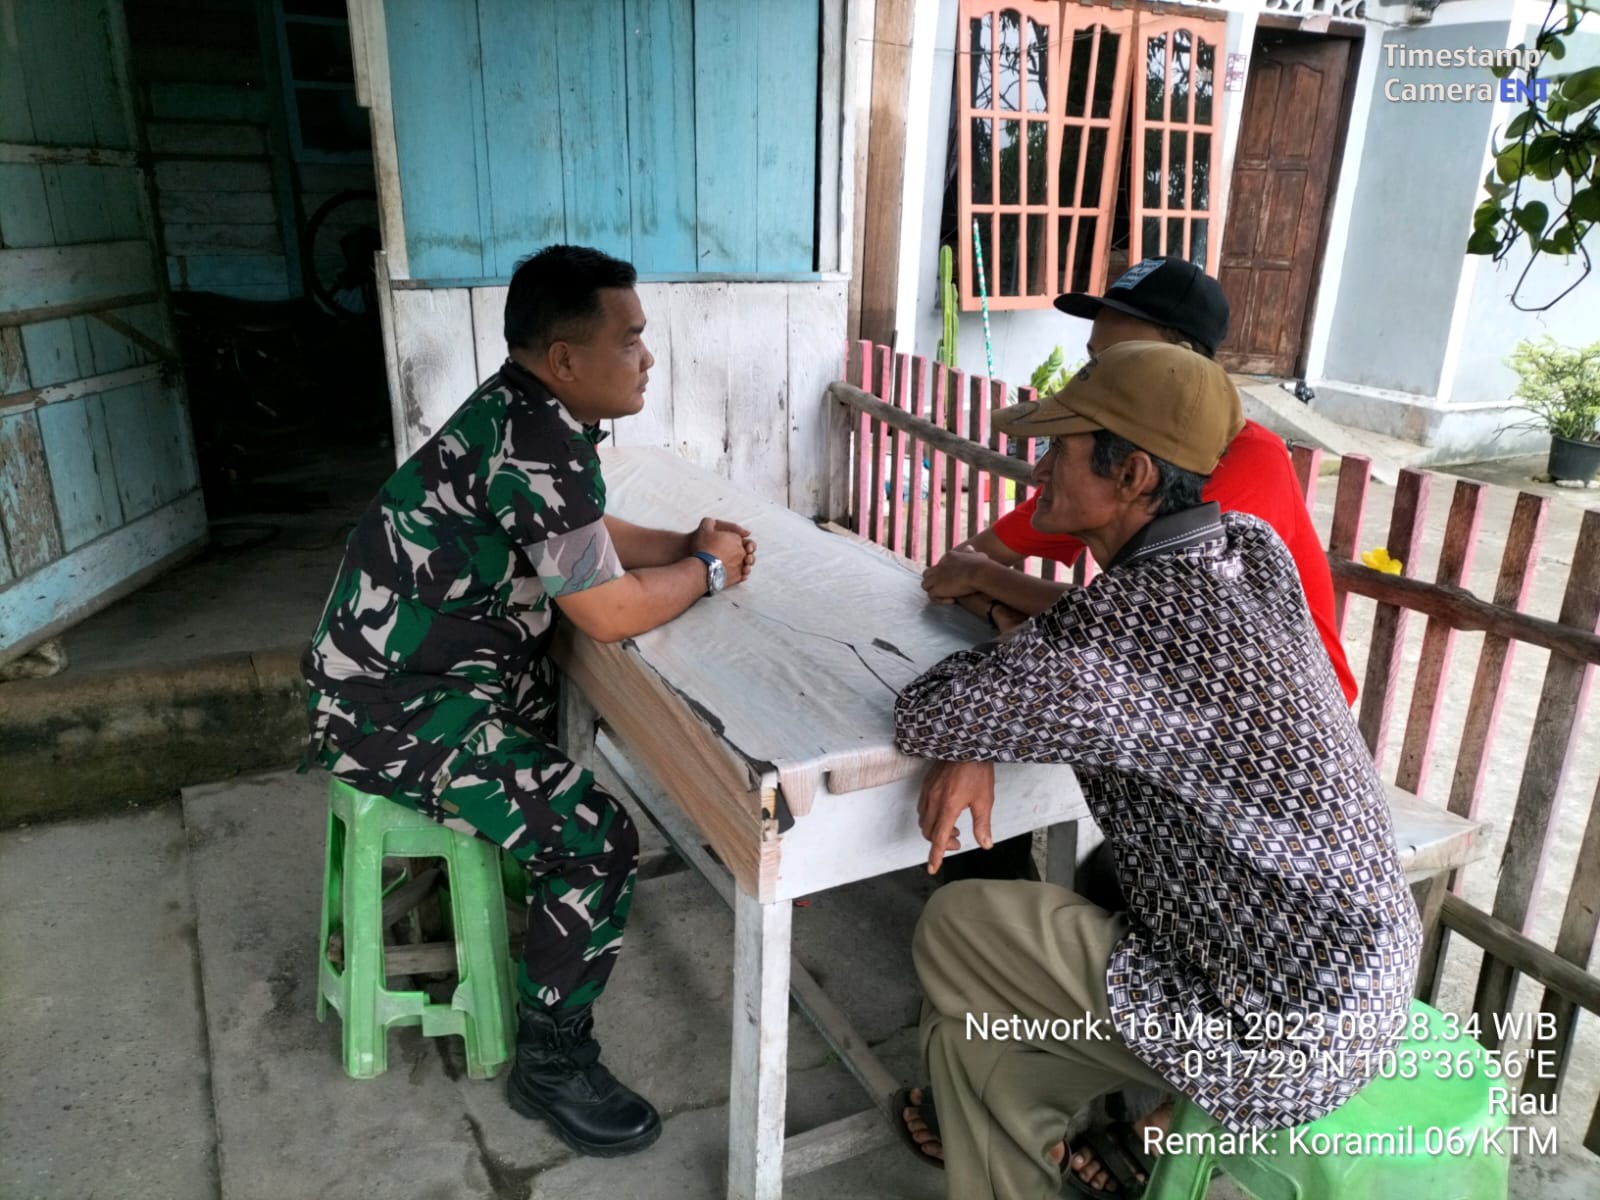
(1121, 1152)
(930, 1118)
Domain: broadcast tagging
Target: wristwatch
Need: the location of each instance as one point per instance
(716, 574)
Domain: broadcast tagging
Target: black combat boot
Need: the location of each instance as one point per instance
(559, 1077)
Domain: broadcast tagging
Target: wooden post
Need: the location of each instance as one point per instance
(899, 455)
(1389, 623)
(1566, 686)
(1575, 941)
(886, 155)
(1307, 461)
(1349, 506)
(916, 543)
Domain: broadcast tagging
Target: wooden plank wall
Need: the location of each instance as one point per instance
(685, 140)
(97, 472)
(207, 97)
(736, 387)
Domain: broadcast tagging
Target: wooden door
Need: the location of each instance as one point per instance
(1290, 136)
(98, 482)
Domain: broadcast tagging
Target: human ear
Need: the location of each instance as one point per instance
(1137, 475)
(560, 359)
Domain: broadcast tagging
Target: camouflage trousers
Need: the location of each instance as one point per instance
(506, 783)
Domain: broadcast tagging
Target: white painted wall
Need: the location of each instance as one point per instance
(736, 388)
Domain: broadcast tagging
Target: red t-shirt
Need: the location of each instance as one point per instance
(1255, 476)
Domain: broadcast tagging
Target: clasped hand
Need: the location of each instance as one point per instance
(729, 542)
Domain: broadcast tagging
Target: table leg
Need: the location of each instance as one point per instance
(575, 723)
(756, 1093)
(1061, 854)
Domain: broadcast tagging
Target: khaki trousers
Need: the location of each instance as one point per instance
(1037, 953)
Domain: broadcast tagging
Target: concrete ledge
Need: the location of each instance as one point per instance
(99, 742)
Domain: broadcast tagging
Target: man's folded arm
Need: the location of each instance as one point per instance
(636, 602)
(1013, 701)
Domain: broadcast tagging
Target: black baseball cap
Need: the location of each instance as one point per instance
(1163, 291)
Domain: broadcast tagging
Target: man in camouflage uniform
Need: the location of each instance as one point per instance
(428, 675)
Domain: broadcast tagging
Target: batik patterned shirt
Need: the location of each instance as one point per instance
(441, 608)
(1273, 941)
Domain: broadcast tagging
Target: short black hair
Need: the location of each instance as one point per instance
(555, 295)
(1175, 490)
(1178, 336)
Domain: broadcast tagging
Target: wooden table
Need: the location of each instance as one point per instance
(760, 724)
(757, 731)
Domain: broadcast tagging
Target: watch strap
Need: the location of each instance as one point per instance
(710, 561)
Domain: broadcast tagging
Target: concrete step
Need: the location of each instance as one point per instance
(1268, 403)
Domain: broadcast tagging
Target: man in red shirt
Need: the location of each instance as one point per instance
(1160, 299)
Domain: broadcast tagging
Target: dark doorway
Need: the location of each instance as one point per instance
(1291, 138)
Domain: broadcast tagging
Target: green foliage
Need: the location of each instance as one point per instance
(949, 306)
(1561, 387)
(1553, 141)
(1050, 376)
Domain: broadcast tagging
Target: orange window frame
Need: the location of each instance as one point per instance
(1075, 227)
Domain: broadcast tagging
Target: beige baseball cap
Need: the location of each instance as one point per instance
(1163, 397)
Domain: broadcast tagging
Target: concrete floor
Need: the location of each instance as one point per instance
(160, 1039)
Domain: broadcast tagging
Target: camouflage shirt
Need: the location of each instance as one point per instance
(441, 608)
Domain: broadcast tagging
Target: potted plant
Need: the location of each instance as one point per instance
(1561, 387)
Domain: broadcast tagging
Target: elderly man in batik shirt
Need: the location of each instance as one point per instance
(1269, 921)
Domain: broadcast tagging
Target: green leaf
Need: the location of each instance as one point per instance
(1533, 217)
(1509, 165)
(1557, 111)
(1586, 204)
(1483, 241)
(1518, 126)
(1582, 88)
(1487, 215)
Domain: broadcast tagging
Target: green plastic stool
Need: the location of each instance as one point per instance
(363, 830)
(1390, 1104)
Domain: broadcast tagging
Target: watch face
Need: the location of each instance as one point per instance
(717, 576)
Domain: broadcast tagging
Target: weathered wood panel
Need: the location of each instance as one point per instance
(148, 429)
(652, 425)
(69, 589)
(433, 51)
(594, 116)
(82, 476)
(198, 175)
(208, 101)
(786, 179)
(70, 98)
(488, 329)
(27, 508)
(13, 363)
(758, 390)
(661, 133)
(219, 239)
(816, 335)
(199, 208)
(436, 359)
(237, 274)
(206, 139)
(727, 88)
(46, 277)
(701, 316)
(519, 88)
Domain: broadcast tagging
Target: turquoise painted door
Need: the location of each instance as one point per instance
(98, 482)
